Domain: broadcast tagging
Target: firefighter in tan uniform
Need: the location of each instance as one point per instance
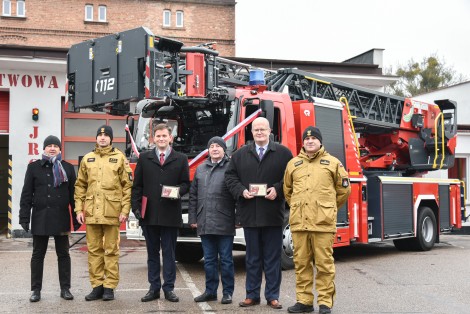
(102, 201)
(315, 186)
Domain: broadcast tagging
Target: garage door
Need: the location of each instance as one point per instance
(4, 112)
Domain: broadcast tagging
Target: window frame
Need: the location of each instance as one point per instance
(100, 7)
(91, 7)
(166, 11)
(181, 14)
(4, 2)
(18, 8)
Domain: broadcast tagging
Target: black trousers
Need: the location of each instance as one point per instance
(63, 259)
(164, 237)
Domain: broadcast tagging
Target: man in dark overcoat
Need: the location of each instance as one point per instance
(261, 165)
(45, 200)
(161, 177)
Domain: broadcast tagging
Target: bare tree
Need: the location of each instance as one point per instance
(422, 77)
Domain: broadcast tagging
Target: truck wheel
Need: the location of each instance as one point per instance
(426, 230)
(188, 252)
(287, 253)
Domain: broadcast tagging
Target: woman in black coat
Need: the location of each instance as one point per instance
(45, 200)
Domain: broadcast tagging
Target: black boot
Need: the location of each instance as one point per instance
(300, 308)
(324, 309)
(36, 296)
(108, 294)
(65, 294)
(150, 296)
(95, 294)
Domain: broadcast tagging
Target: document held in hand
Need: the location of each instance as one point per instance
(144, 206)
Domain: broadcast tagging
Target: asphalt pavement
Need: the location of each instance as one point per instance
(370, 279)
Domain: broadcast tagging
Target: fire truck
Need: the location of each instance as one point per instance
(386, 143)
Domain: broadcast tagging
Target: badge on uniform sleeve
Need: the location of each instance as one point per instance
(113, 160)
(90, 160)
(298, 163)
(345, 182)
(130, 176)
(324, 162)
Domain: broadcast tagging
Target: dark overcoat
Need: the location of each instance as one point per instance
(46, 206)
(245, 167)
(211, 205)
(149, 178)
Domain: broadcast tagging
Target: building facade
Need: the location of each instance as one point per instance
(62, 23)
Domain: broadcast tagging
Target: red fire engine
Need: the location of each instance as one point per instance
(386, 143)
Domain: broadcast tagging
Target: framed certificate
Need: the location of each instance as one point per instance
(171, 191)
(258, 189)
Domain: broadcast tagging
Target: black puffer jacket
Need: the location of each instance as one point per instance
(49, 205)
(211, 205)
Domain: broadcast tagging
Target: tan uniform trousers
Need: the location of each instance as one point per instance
(314, 248)
(103, 258)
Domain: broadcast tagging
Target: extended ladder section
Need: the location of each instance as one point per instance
(373, 112)
(396, 133)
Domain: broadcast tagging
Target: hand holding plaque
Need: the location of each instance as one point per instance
(258, 189)
(172, 192)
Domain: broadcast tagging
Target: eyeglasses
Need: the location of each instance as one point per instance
(259, 130)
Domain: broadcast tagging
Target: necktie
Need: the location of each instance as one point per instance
(162, 158)
(261, 154)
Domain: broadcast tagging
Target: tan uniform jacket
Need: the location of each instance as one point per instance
(314, 189)
(103, 186)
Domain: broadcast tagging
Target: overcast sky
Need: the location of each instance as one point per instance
(336, 30)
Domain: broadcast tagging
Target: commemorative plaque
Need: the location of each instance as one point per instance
(171, 191)
(257, 189)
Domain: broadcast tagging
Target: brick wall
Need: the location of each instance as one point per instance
(61, 23)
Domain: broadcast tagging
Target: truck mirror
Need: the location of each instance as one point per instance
(267, 106)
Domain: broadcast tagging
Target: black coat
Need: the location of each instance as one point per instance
(50, 205)
(149, 177)
(245, 168)
(211, 205)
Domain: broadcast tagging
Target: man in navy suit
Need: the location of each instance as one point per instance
(160, 169)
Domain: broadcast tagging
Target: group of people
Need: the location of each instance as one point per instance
(248, 190)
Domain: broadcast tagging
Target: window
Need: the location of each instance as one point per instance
(20, 8)
(167, 18)
(179, 18)
(102, 13)
(6, 8)
(88, 12)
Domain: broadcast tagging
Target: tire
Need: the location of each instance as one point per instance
(287, 252)
(426, 232)
(188, 252)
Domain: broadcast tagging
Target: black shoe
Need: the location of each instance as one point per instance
(226, 299)
(300, 308)
(206, 297)
(108, 294)
(150, 296)
(65, 294)
(36, 296)
(171, 296)
(324, 309)
(95, 294)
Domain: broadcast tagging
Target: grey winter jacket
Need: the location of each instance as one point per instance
(211, 205)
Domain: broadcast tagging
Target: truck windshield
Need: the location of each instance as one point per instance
(192, 124)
